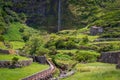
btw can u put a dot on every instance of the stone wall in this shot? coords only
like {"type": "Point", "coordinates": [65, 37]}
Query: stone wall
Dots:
{"type": "Point", "coordinates": [41, 59]}
{"type": "Point", "coordinates": [7, 64]}
{"type": "Point", "coordinates": [7, 51]}
{"type": "Point", "coordinates": [94, 30]}
{"type": "Point", "coordinates": [118, 65]}
{"type": "Point", "coordinates": [110, 57]}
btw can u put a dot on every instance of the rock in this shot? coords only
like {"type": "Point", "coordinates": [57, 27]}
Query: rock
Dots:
{"type": "Point", "coordinates": [13, 66]}
{"type": "Point", "coordinates": [9, 64]}
{"type": "Point", "coordinates": [109, 57]}
{"type": "Point", "coordinates": [118, 65]}
{"type": "Point", "coordinates": [94, 30]}
{"type": "Point", "coordinates": [40, 59]}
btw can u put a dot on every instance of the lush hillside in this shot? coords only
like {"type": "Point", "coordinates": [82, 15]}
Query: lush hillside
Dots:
{"type": "Point", "coordinates": [74, 13]}
{"type": "Point", "coordinates": [96, 12]}
{"type": "Point", "coordinates": [27, 26]}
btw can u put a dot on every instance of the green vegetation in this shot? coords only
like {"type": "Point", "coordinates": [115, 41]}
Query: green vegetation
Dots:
{"type": "Point", "coordinates": [13, 33]}
{"type": "Point", "coordinates": [23, 27]}
{"type": "Point", "coordinates": [35, 46]}
{"type": "Point", "coordinates": [10, 57]}
{"type": "Point", "coordinates": [12, 44]}
{"type": "Point", "coordinates": [107, 46]}
{"type": "Point", "coordinates": [63, 60]}
{"type": "Point", "coordinates": [96, 12]}
{"type": "Point", "coordinates": [2, 46]}
{"type": "Point", "coordinates": [86, 56]}
{"type": "Point", "coordinates": [95, 71]}
{"type": "Point", "coordinates": [81, 55]}
{"type": "Point", "coordinates": [17, 44]}
{"type": "Point", "coordinates": [19, 73]}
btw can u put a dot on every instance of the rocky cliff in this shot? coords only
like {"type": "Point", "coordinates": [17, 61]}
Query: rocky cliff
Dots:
{"type": "Point", "coordinates": [40, 13]}
{"type": "Point", "coordinates": [77, 13]}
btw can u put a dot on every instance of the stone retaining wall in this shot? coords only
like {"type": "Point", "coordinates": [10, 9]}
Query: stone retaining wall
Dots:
{"type": "Point", "coordinates": [110, 57]}
{"type": "Point", "coordinates": [11, 51]}
{"type": "Point", "coordinates": [118, 65]}
{"type": "Point", "coordinates": [7, 64]}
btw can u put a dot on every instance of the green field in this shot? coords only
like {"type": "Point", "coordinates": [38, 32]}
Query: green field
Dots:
{"type": "Point", "coordinates": [9, 57]}
{"type": "Point", "coordinates": [17, 44]}
{"type": "Point", "coordinates": [19, 73]}
{"type": "Point", "coordinates": [95, 71]}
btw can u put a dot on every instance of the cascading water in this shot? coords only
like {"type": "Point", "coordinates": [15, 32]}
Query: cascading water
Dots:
{"type": "Point", "coordinates": [59, 15]}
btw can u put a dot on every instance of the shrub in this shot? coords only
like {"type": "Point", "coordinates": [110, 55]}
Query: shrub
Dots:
{"type": "Point", "coordinates": [109, 47]}
{"type": "Point", "coordinates": [60, 44]}
{"type": "Point", "coordinates": [71, 45]}
{"type": "Point", "coordinates": [85, 40]}
{"type": "Point", "coordinates": [42, 51]}
{"type": "Point", "coordinates": [62, 57]}
{"type": "Point", "coordinates": [1, 38]}
{"type": "Point", "coordinates": [86, 56]}
{"type": "Point", "coordinates": [63, 61]}
{"type": "Point", "coordinates": [53, 50]}
{"type": "Point", "coordinates": [35, 46]}
{"type": "Point", "coordinates": [15, 60]}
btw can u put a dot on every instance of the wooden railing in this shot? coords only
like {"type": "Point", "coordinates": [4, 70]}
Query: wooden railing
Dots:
{"type": "Point", "coordinates": [43, 75]}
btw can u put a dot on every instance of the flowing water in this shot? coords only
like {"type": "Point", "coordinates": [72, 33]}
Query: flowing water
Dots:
{"type": "Point", "coordinates": [59, 15]}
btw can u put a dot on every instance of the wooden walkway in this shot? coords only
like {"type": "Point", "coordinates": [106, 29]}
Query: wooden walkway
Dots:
{"type": "Point", "coordinates": [43, 75]}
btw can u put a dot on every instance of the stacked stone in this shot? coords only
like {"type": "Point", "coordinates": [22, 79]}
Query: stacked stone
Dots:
{"type": "Point", "coordinates": [118, 65]}
{"type": "Point", "coordinates": [7, 64]}
{"type": "Point", "coordinates": [110, 57]}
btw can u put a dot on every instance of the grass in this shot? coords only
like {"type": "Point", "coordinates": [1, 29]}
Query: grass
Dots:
{"type": "Point", "coordinates": [9, 57]}
{"type": "Point", "coordinates": [104, 42]}
{"type": "Point", "coordinates": [19, 73]}
{"type": "Point", "coordinates": [95, 71]}
{"type": "Point", "coordinates": [2, 46]}
{"type": "Point", "coordinates": [17, 44]}
{"type": "Point", "coordinates": [79, 34]}
{"type": "Point", "coordinates": [91, 38]}
{"type": "Point", "coordinates": [13, 33]}
{"type": "Point", "coordinates": [66, 51]}
{"type": "Point", "coordinates": [14, 44]}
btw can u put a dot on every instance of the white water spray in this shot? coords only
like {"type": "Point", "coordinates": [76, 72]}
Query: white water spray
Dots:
{"type": "Point", "coordinates": [59, 15]}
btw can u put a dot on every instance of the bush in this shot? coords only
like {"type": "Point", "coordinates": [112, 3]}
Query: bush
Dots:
{"type": "Point", "coordinates": [85, 40]}
{"type": "Point", "coordinates": [63, 61]}
{"type": "Point", "coordinates": [1, 38]}
{"type": "Point", "coordinates": [86, 56]}
{"type": "Point", "coordinates": [109, 47]}
{"type": "Point", "coordinates": [35, 46]}
{"type": "Point", "coordinates": [60, 44]}
{"type": "Point", "coordinates": [42, 51]}
{"type": "Point", "coordinates": [15, 59]}
{"type": "Point", "coordinates": [62, 57]}
{"type": "Point", "coordinates": [53, 50]}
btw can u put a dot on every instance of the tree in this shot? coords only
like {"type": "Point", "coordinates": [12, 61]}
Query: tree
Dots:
{"type": "Point", "coordinates": [35, 46]}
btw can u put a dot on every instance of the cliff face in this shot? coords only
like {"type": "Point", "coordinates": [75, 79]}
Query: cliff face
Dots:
{"type": "Point", "coordinates": [78, 13]}
{"type": "Point", "coordinates": [39, 12]}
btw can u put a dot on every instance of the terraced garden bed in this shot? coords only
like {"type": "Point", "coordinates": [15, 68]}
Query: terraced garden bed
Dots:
{"type": "Point", "coordinates": [19, 73]}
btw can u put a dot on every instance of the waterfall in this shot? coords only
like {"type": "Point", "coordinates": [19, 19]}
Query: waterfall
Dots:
{"type": "Point", "coordinates": [59, 15]}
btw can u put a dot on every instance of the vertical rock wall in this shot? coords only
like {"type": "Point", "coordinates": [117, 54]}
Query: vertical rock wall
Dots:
{"type": "Point", "coordinates": [43, 13]}
{"type": "Point", "coordinates": [40, 13]}
{"type": "Point", "coordinates": [118, 65]}
{"type": "Point", "coordinates": [110, 57]}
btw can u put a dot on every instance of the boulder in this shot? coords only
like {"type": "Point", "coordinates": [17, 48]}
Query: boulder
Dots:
{"type": "Point", "coordinates": [41, 59]}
